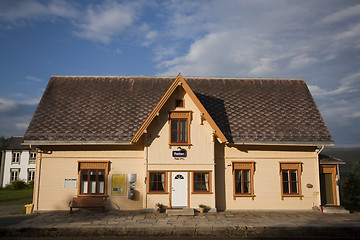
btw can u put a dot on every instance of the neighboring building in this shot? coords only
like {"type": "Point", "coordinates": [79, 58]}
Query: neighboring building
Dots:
{"type": "Point", "coordinates": [228, 143]}
{"type": "Point", "coordinates": [17, 163]}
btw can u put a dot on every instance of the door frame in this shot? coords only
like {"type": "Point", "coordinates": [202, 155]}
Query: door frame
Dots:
{"type": "Point", "coordinates": [188, 186]}
{"type": "Point", "coordinates": [332, 170]}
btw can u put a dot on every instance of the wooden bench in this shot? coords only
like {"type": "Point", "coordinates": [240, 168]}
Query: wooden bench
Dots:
{"type": "Point", "coordinates": [87, 202]}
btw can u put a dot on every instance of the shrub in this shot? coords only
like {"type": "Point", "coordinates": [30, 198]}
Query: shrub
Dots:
{"type": "Point", "coordinates": [16, 185]}
{"type": "Point", "coordinates": [31, 185]}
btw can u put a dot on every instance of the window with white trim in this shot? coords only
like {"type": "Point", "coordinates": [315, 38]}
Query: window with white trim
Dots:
{"type": "Point", "coordinates": [31, 174]}
{"type": "Point", "coordinates": [14, 174]}
{"type": "Point", "coordinates": [15, 158]}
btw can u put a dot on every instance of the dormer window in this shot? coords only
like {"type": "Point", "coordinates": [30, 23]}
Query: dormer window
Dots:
{"type": "Point", "coordinates": [179, 128]}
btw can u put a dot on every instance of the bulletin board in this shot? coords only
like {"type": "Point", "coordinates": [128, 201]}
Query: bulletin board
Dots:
{"type": "Point", "coordinates": [118, 184]}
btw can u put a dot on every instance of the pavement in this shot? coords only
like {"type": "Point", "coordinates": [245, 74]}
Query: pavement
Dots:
{"type": "Point", "coordinates": [227, 224]}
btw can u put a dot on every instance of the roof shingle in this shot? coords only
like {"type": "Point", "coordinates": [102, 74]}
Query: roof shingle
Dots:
{"type": "Point", "coordinates": [75, 108]}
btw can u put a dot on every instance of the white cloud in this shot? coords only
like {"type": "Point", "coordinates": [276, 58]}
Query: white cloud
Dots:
{"type": "Point", "coordinates": [101, 23]}
{"type": "Point", "coordinates": [302, 61]}
{"type": "Point", "coordinates": [343, 14]}
{"type": "Point", "coordinates": [6, 105]}
{"type": "Point", "coordinates": [352, 33]}
{"type": "Point", "coordinates": [34, 79]}
{"type": "Point", "coordinates": [18, 12]}
{"type": "Point", "coordinates": [22, 126]}
{"type": "Point", "coordinates": [349, 84]}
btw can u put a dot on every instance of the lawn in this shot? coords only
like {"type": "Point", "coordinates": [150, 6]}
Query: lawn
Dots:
{"type": "Point", "coordinates": [13, 201]}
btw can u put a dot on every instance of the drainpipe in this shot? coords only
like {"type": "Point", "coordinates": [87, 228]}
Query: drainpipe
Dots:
{"type": "Point", "coordinates": [318, 171]}
{"type": "Point", "coordinates": [146, 157]}
{"type": "Point", "coordinates": [38, 167]}
{"type": "Point", "coordinates": [2, 167]}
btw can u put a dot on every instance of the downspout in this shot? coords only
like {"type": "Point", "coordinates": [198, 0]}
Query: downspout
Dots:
{"type": "Point", "coordinates": [38, 166]}
{"type": "Point", "coordinates": [146, 157]}
{"type": "Point", "coordinates": [318, 171]}
{"type": "Point", "coordinates": [2, 167]}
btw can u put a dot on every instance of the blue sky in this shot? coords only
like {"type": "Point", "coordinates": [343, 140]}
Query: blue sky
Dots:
{"type": "Point", "coordinates": [317, 40]}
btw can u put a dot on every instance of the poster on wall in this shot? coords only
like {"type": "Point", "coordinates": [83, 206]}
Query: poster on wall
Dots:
{"type": "Point", "coordinates": [118, 184]}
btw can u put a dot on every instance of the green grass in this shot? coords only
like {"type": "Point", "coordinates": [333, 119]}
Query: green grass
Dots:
{"type": "Point", "coordinates": [15, 197]}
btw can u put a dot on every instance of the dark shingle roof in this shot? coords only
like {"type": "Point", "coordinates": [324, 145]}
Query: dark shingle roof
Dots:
{"type": "Point", "coordinates": [113, 108]}
{"type": "Point", "coordinates": [325, 159]}
{"type": "Point", "coordinates": [14, 143]}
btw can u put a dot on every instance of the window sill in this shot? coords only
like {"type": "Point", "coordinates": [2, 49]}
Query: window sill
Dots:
{"type": "Point", "coordinates": [291, 195]}
{"type": "Point", "coordinates": [92, 195]}
{"type": "Point", "coordinates": [180, 144]}
{"type": "Point", "coordinates": [157, 192]}
{"type": "Point", "coordinates": [245, 196]}
{"type": "Point", "coordinates": [201, 192]}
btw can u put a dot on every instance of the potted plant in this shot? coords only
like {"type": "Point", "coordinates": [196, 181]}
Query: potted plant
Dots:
{"type": "Point", "coordinates": [159, 207]}
{"type": "Point", "coordinates": [202, 208]}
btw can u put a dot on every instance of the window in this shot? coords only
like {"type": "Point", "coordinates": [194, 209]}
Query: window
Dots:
{"type": "Point", "coordinates": [157, 182]}
{"type": "Point", "coordinates": [93, 178]}
{"type": "Point", "coordinates": [14, 174]}
{"type": "Point", "coordinates": [179, 128]}
{"type": "Point", "coordinates": [92, 181]}
{"type": "Point", "coordinates": [32, 157]}
{"type": "Point", "coordinates": [243, 179]}
{"type": "Point", "coordinates": [16, 157]}
{"type": "Point", "coordinates": [31, 174]}
{"type": "Point", "coordinates": [201, 182]}
{"type": "Point", "coordinates": [290, 179]}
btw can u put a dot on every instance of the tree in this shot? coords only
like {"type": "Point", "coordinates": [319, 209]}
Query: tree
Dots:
{"type": "Point", "coordinates": [3, 142]}
{"type": "Point", "coordinates": [351, 186]}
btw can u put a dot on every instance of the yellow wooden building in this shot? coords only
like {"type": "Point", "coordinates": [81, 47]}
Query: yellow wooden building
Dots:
{"type": "Point", "coordinates": [228, 143]}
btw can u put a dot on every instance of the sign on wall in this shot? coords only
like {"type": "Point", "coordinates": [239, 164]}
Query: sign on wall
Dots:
{"type": "Point", "coordinates": [181, 153]}
{"type": "Point", "coordinates": [70, 183]}
{"type": "Point", "coordinates": [118, 184]}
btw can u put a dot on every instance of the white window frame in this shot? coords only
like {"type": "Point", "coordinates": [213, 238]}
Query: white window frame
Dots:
{"type": "Point", "coordinates": [32, 157]}
{"type": "Point", "coordinates": [31, 174]}
{"type": "Point", "coordinates": [15, 156]}
{"type": "Point", "coordinates": [14, 170]}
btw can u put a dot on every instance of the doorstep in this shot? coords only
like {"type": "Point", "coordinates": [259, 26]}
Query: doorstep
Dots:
{"type": "Point", "coordinates": [180, 212]}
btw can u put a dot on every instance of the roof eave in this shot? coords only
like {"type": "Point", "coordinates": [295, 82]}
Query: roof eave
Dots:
{"type": "Point", "coordinates": [73, 143]}
{"type": "Point", "coordinates": [285, 143]}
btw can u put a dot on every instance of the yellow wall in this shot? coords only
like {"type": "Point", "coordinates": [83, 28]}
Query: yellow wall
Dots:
{"type": "Point", "coordinates": [60, 165]}
{"type": "Point", "coordinates": [200, 155]}
{"type": "Point", "coordinates": [267, 181]}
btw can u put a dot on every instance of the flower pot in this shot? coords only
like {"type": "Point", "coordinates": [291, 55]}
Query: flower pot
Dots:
{"type": "Point", "coordinates": [202, 210]}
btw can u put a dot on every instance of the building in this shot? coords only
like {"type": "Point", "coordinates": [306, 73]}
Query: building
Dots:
{"type": "Point", "coordinates": [17, 163]}
{"type": "Point", "coordinates": [228, 143]}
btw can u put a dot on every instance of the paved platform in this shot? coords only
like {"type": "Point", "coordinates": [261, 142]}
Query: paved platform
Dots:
{"type": "Point", "coordinates": [242, 224]}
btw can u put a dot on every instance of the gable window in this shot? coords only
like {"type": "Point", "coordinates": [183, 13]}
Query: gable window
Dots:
{"type": "Point", "coordinates": [290, 179]}
{"type": "Point", "coordinates": [243, 180]}
{"type": "Point", "coordinates": [93, 178]}
{"type": "Point", "coordinates": [31, 174]}
{"type": "Point", "coordinates": [14, 174]}
{"type": "Point", "coordinates": [179, 128]}
{"type": "Point", "coordinates": [15, 157]}
{"type": "Point", "coordinates": [201, 182]}
{"type": "Point", "coordinates": [157, 182]}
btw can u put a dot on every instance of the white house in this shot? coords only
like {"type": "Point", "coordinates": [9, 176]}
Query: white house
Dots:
{"type": "Point", "coordinates": [17, 163]}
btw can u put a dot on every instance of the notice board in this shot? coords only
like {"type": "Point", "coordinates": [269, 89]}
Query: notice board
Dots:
{"type": "Point", "coordinates": [118, 184]}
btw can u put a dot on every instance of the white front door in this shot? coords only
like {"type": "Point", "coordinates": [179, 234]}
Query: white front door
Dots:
{"type": "Point", "coordinates": [179, 189]}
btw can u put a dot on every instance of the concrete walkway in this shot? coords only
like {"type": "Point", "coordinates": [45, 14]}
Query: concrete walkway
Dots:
{"type": "Point", "coordinates": [244, 224]}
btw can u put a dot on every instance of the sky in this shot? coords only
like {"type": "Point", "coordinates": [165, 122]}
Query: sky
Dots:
{"type": "Point", "coordinates": [315, 40]}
